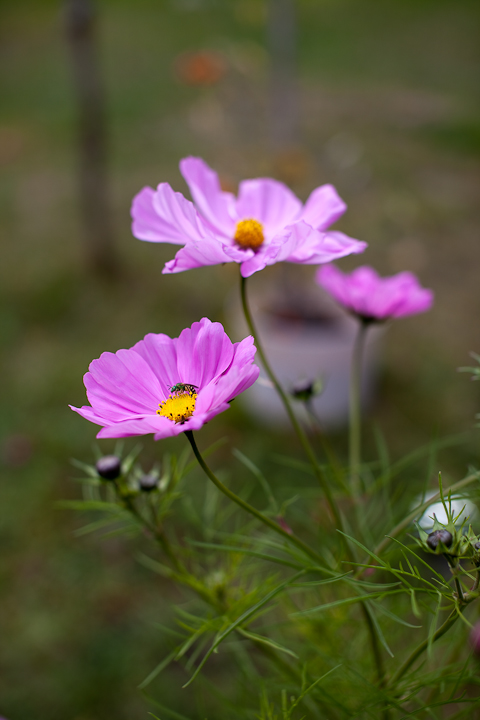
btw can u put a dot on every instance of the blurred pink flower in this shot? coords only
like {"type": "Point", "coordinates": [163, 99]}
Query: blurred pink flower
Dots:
{"type": "Point", "coordinates": [372, 297]}
{"type": "Point", "coordinates": [475, 639]}
{"type": "Point", "coordinates": [166, 385]}
{"type": "Point", "coordinates": [265, 224]}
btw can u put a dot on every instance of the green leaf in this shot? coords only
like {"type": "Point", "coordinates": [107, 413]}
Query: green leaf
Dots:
{"type": "Point", "coordinates": [245, 616]}
{"type": "Point", "coordinates": [392, 615]}
{"type": "Point", "coordinates": [170, 713]}
{"type": "Point", "coordinates": [345, 601]}
{"type": "Point", "coordinates": [310, 688]}
{"type": "Point", "coordinates": [260, 477]}
{"type": "Point", "coordinates": [161, 666]}
{"type": "Point", "coordinates": [433, 626]}
{"type": "Point", "coordinates": [244, 551]}
{"type": "Point", "coordinates": [93, 526]}
{"type": "Point", "coordinates": [89, 470]}
{"type": "Point", "coordinates": [90, 505]}
{"type": "Point", "coordinates": [266, 641]}
{"type": "Point", "coordinates": [154, 565]}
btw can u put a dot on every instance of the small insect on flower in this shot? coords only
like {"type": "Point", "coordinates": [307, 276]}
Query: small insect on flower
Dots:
{"type": "Point", "coordinates": [135, 391]}
{"type": "Point", "coordinates": [180, 388]}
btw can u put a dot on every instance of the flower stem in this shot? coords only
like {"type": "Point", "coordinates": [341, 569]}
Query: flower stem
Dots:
{"type": "Point", "coordinates": [452, 618]}
{"type": "Point", "coordinates": [355, 409]}
{"type": "Point", "coordinates": [296, 541]}
{"type": "Point", "coordinates": [293, 419]}
{"type": "Point", "coordinates": [313, 460]}
{"type": "Point", "coordinates": [249, 508]}
{"type": "Point", "coordinates": [157, 533]}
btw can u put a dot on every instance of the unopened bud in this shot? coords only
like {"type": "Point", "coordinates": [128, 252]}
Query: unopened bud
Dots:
{"type": "Point", "coordinates": [305, 390]}
{"type": "Point", "coordinates": [109, 467]}
{"type": "Point", "coordinates": [284, 525]}
{"type": "Point", "coordinates": [437, 537]}
{"type": "Point", "coordinates": [147, 483]}
{"type": "Point", "coordinates": [302, 390]}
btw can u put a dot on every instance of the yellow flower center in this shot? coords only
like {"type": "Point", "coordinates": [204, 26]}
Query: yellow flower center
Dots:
{"type": "Point", "coordinates": [178, 408]}
{"type": "Point", "coordinates": [249, 234]}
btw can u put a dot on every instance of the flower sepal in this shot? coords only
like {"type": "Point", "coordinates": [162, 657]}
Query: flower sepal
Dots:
{"type": "Point", "coordinates": [445, 539]}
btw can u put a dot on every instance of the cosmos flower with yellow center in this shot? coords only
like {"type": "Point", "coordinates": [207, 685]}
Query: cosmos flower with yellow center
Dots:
{"type": "Point", "coordinates": [166, 385]}
{"type": "Point", "coordinates": [265, 224]}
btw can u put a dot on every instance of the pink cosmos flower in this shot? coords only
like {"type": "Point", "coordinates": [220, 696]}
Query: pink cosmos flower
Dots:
{"type": "Point", "coordinates": [166, 385]}
{"type": "Point", "coordinates": [265, 224]}
{"type": "Point", "coordinates": [375, 298]}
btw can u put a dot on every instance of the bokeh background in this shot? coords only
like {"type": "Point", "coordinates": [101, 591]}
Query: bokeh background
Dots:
{"type": "Point", "coordinates": [379, 98]}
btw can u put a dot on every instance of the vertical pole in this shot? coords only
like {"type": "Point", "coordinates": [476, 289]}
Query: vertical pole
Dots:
{"type": "Point", "coordinates": [284, 100]}
{"type": "Point", "coordinates": [80, 22]}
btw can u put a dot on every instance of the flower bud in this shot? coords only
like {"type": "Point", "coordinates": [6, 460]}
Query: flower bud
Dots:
{"type": "Point", "coordinates": [439, 536]}
{"type": "Point", "coordinates": [284, 525]}
{"type": "Point", "coordinates": [109, 467]}
{"type": "Point", "coordinates": [305, 390]}
{"type": "Point", "coordinates": [147, 483]}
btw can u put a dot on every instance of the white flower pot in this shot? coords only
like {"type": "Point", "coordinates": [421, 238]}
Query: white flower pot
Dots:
{"type": "Point", "coordinates": [304, 338]}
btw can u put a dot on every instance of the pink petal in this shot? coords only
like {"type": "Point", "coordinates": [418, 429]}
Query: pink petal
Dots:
{"type": "Point", "coordinates": [141, 426]}
{"type": "Point", "coordinates": [229, 386]}
{"type": "Point", "coordinates": [159, 351]}
{"type": "Point", "coordinates": [244, 351]}
{"type": "Point", "coordinates": [369, 295]}
{"type": "Point", "coordinates": [193, 423]}
{"type": "Point", "coordinates": [122, 380]}
{"type": "Point", "coordinates": [216, 206]}
{"type": "Point", "coordinates": [270, 202]}
{"type": "Point", "coordinates": [166, 216]}
{"type": "Point", "coordinates": [258, 261]}
{"type": "Point", "coordinates": [147, 225]}
{"type": "Point", "coordinates": [309, 246]}
{"type": "Point", "coordinates": [197, 254]}
{"type": "Point", "coordinates": [323, 207]}
{"type": "Point", "coordinates": [204, 351]}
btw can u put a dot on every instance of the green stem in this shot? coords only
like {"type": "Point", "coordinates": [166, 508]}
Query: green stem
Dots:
{"type": "Point", "coordinates": [355, 409]}
{"type": "Point", "coordinates": [376, 652]}
{"type": "Point", "coordinates": [476, 582]}
{"type": "Point", "coordinates": [291, 538]}
{"type": "Point", "coordinates": [249, 508]}
{"type": "Point", "coordinates": [158, 534]}
{"type": "Point", "coordinates": [293, 419]}
{"type": "Point", "coordinates": [311, 456]}
{"type": "Point", "coordinates": [459, 590]}
{"type": "Point", "coordinates": [455, 567]}
{"type": "Point", "coordinates": [452, 618]}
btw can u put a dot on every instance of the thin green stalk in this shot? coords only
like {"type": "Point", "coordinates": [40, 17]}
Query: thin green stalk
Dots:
{"type": "Point", "coordinates": [375, 645]}
{"type": "Point", "coordinates": [291, 538]}
{"type": "Point", "coordinates": [455, 568]}
{"type": "Point", "coordinates": [451, 620]}
{"type": "Point", "coordinates": [311, 456]}
{"type": "Point", "coordinates": [293, 419]}
{"type": "Point", "coordinates": [355, 408]}
{"type": "Point", "coordinates": [158, 534]}
{"type": "Point", "coordinates": [326, 446]}
{"type": "Point", "coordinates": [249, 508]}
{"type": "Point", "coordinates": [476, 582]}
{"type": "Point", "coordinates": [376, 652]}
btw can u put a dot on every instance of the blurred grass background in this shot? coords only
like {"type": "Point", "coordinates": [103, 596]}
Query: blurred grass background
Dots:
{"type": "Point", "coordinates": [389, 113]}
